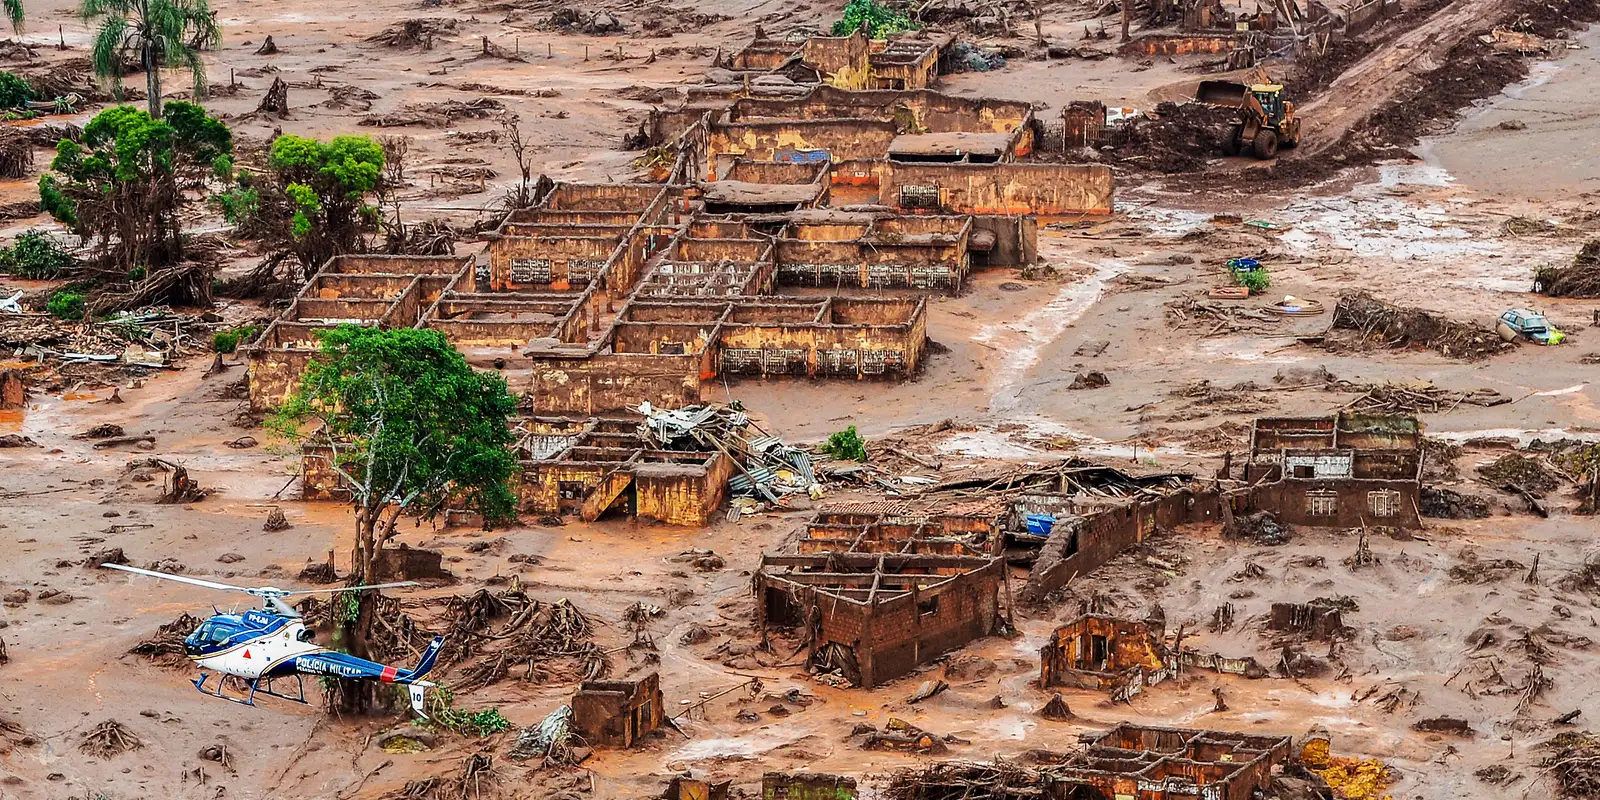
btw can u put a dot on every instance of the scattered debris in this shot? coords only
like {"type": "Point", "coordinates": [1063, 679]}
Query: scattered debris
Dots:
{"type": "Point", "coordinates": [165, 648]}
{"type": "Point", "coordinates": [1581, 278]}
{"type": "Point", "coordinates": [1089, 380]}
{"type": "Point", "coordinates": [1423, 398]}
{"type": "Point", "coordinates": [1449, 725]}
{"type": "Point", "coordinates": [414, 33]}
{"type": "Point", "coordinates": [1439, 502]}
{"type": "Point", "coordinates": [1405, 327]}
{"type": "Point", "coordinates": [108, 739]}
{"type": "Point", "coordinates": [928, 689]}
{"type": "Point", "coordinates": [276, 101]}
{"type": "Point", "coordinates": [1517, 471]}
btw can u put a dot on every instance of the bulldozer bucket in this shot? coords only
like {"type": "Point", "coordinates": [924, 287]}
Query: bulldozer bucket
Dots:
{"type": "Point", "coordinates": [1222, 93]}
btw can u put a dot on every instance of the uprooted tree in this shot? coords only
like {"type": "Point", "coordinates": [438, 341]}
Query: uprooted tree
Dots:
{"type": "Point", "coordinates": [311, 201]}
{"type": "Point", "coordinates": [410, 428]}
{"type": "Point", "coordinates": [122, 188]}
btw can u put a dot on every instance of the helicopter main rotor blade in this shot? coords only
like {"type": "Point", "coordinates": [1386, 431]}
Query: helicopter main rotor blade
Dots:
{"type": "Point", "coordinates": [179, 578]}
{"type": "Point", "coordinates": [352, 588]}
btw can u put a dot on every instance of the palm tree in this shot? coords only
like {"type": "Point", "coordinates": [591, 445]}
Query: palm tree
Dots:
{"type": "Point", "coordinates": [13, 10]}
{"type": "Point", "coordinates": [166, 34]}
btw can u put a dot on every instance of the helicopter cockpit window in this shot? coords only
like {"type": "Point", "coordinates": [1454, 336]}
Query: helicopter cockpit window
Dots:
{"type": "Point", "coordinates": [207, 635]}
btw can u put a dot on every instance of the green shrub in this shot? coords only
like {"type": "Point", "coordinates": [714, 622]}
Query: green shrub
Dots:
{"type": "Point", "coordinates": [847, 445]}
{"type": "Point", "coordinates": [240, 205]}
{"type": "Point", "coordinates": [66, 305]}
{"type": "Point", "coordinates": [1256, 280]}
{"type": "Point", "coordinates": [441, 707]}
{"type": "Point", "coordinates": [14, 91]}
{"type": "Point", "coordinates": [879, 20]}
{"type": "Point", "coordinates": [229, 340]}
{"type": "Point", "coordinates": [36, 255]}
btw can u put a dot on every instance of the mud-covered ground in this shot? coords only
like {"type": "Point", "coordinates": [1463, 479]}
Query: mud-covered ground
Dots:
{"type": "Point", "coordinates": [1433, 235]}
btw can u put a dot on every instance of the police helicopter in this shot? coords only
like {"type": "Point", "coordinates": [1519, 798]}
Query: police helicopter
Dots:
{"type": "Point", "coordinates": [259, 646]}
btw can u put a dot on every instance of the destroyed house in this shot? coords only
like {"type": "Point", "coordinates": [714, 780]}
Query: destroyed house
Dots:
{"type": "Point", "coordinates": [1153, 763]}
{"type": "Point", "coordinates": [838, 126]}
{"type": "Point", "coordinates": [618, 713]}
{"type": "Point", "coordinates": [678, 298]}
{"type": "Point", "coordinates": [876, 617]}
{"type": "Point", "coordinates": [378, 291]}
{"type": "Point", "coordinates": [905, 62]}
{"type": "Point", "coordinates": [1096, 652]}
{"type": "Point", "coordinates": [913, 151]}
{"type": "Point", "coordinates": [892, 527]}
{"type": "Point", "coordinates": [594, 466]}
{"type": "Point", "coordinates": [1345, 470]}
{"type": "Point", "coordinates": [1081, 515]}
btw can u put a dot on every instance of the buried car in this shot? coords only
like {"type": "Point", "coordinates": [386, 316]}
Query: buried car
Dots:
{"type": "Point", "coordinates": [1520, 323]}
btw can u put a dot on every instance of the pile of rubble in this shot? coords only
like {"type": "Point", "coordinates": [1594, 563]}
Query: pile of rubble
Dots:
{"type": "Point", "coordinates": [766, 468]}
{"type": "Point", "coordinates": [153, 338]}
{"type": "Point", "coordinates": [1406, 327]}
{"type": "Point", "coordinates": [1396, 398]}
{"type": "Point", "coordinates": [1581, 278]}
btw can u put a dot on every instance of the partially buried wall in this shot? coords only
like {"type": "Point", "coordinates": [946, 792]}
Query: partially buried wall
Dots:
{"type": "Point", "coordinates": [1008, 188]}
{"type": "Point", "coordinates": [1079, 545]}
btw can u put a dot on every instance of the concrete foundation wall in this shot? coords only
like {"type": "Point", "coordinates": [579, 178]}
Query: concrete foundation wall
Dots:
{"type": "Point", "coordinates": [1182, 45]}
{"type": "Point", "coordinates": [613, 383]}
{"type": "Point", "coordinates": [842, 139]}
{"type": "Point", "coordinates": [1006, 189]}
{"type": "Point", "coordinates": [1079, 545]}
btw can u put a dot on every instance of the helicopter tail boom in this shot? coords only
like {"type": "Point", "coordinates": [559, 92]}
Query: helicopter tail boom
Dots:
{"type": "Point", "coordinates": [424, 664]}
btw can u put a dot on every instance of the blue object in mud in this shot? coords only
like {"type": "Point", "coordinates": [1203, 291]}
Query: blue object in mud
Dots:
{"type": "Point", "coordinates": [1243, 264]}
{"type": "Point", "coordinates": [1041, 524]}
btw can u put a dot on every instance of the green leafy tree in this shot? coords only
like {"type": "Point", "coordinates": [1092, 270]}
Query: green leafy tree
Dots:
{"type": "Point", "coordinates": [315, 200]}
{"type": "Point", "coordinates": [36, 255]}
{"type": "Point", "coordinates": [410, 428]}
{"type": "Point", "coordinates": [877, 19]}
{"type": "Point", "coordinates": [121, 188]}
{"type": "Point", "coordinates": [159, 34]}
{"type": "Point", "coordinates": [14, 91]}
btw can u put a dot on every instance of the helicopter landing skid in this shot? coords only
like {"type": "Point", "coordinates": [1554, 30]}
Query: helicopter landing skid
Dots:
{"type": "Point", "coordinates": [257, 686]}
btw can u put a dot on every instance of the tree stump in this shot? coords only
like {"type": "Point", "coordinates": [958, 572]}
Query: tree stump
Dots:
{"type": "Point", "coordinates": [276, 521]}
{"type": "Point", "coordinates": [13, 394]}
{"type": "Point", "coordinates": [277, 99]}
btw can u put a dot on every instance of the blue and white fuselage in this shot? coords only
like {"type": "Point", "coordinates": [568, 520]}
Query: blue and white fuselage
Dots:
{"type": "Point", "coordinates": [258, 646]}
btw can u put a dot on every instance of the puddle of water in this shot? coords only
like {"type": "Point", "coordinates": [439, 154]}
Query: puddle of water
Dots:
{"type": "Point", "coordinates": [1522, 435]}
{"type": "Point", "coordinates": [723, 748]}
{"type": "Point", "coordinates": [1421, 174]}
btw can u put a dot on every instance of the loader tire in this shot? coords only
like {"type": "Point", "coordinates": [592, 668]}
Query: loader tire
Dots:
{"type": "Point", "coordinates": [1266, 144]}
{"type": "Point", "coordinates": [1232, 143]}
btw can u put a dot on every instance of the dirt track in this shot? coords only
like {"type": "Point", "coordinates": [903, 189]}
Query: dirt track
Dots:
{"type": "Point", "coordinates": [1387, 71]}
